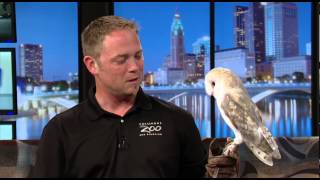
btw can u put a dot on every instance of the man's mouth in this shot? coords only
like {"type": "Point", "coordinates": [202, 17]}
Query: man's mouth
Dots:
{"type": "Point", "coordinates": [133, 80]}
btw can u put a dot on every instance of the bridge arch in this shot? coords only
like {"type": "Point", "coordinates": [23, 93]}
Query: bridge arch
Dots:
{"type": "Point", "coordinates": [258, 97]}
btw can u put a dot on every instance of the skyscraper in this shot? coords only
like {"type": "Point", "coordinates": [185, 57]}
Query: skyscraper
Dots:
{"type": "Point", "coordinates": [308, 49]}
{"type": "Point", "coordinates": [149, 79]}
{"type": "Point", "coordinates": [202, 50]}
{"type": "Point", "coordinates": [31, 61]}
{"type": "Point", "coordinates": [250, 34]}
{"type": "Point", "coordinates": [281, 26]}
{"type": "Point", "coordinates": [200, 63]}
{"type": "Point", "coordinates": [190, 65]}
{"type": "Point", "coordinates": [239, 24]}
{"type": "Point", "coordinates": [177, 43]}
{"type": "Point", "coordinates": [255, 37]}
{"type": "Point", "coordinates": [255, 33]}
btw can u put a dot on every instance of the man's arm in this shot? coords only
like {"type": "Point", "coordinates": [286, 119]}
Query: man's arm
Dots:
{"type": "Point", "coordinates": [219, 165]}
{"type": "Point", "coordinates": [50, 159]}
{"type": "Point", "coordinates": [193, 153]}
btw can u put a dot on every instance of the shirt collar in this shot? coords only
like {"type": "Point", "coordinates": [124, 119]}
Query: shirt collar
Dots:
{"type": "Point", "coordinates": [94, 110]}
{"type": "Point", "coordinates": [143, 101]}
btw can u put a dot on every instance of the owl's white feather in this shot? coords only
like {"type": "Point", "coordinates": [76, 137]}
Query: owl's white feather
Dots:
{"type": "Point", "coordinates": [241, 114]}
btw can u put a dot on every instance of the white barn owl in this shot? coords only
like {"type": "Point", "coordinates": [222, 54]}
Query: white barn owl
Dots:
{"type": "Point", "coordinates": [241, 115]}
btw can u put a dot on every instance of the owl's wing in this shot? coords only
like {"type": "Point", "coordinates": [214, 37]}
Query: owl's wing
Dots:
{"type": "Point", "coordinates": [266, 133]}
{"type": "Point", "coordinates": [246, 118]}
{"type": "Point", "coordinates": [241, 114]}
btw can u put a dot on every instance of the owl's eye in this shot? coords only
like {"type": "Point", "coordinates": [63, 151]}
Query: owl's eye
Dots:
{"type": "Point", "coordinates": [213, 83]}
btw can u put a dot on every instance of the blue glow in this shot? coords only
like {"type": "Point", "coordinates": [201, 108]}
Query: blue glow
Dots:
{"type": "Point", "coordinates": [270, 48]}
{"type": "Point", "coordinates": [225, 129]}
{"type": "Point", "coordinates": [281, 127]}
{"type": "Point", "coordinates": [201, 125]}
{"type": "Point", "coordinates": [218, 129]}
{"type": "Point", "coordinates": [203, 131]}
{"type": "Point", "coordinates": [288, 127]}
{"type": "Point", "coordinates": [10, 113]}
{"type": "Point", "coordinates": [303, 125]}
{"type": "Point", "coordinates": [295, 128]}
{"type": "Point", "coordinates": [274, 130]}
{"type": "Point", "coordinates": [231, 134]}
{"type": "Point", "coordinates": [8, 41]}
{"type": "Point", "coordinates": [5, 132]}
{"type": "Point", "coordinates": [308, 131]}
{"type": "Point", "coordinates": [176, 25]}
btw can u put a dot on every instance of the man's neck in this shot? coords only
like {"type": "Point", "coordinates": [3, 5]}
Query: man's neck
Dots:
{"type": "Point", "coordinates": [119, 105]}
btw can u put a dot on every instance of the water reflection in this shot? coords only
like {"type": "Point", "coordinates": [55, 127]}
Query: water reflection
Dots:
{"type": "Point", "coordinates": [284, 115]}
{"type": "Point", "coordinates": [195, 102]}
{"type": "Point", "coordinates": [33, 117]}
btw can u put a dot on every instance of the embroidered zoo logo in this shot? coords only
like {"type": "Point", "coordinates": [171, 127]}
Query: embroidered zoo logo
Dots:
{"type": "Point", "coordinates": [150, 129]}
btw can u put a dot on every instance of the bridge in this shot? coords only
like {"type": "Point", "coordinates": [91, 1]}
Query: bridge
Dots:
{"type": "Point", "coordinates": [172, 93]}
{"type": "Point", "coordinates": [197, 102]}
{"type": "Point", "coordinates": [56, 97]}
{"type": "Point", "coordinates": [256, 91]}
{"type": "Point", "coordinates": [63, 102]}
{"type": "Point", "coordinates": [270, 92]}
{"type": "Point", "coordinates": [192, 98]}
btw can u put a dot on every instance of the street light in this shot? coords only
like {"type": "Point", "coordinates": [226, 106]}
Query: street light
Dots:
{"type": "Point", "coordinates": [29, 88]}
{"type": "Point", "coordinates": [43, 88]}
{"type": "Point", "coordinates": [294, 77]}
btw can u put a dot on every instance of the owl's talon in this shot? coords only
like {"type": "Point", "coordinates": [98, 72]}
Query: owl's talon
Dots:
{"type": "Point", "coordinates": [231, 151]}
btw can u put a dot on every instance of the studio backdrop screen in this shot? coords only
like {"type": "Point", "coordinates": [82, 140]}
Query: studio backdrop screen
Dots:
{"type": "Point", "coordinates": [175, 40]}
{"type": "Point", "coordinates": [269, 46]}
{"type": "Point", "coordinates": [7, 82]}
{"type": "Point", "coordinates": [47, 64]}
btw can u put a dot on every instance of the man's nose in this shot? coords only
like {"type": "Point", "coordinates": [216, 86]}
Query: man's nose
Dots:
{"type": "Point", "coordinates": [133, 64]}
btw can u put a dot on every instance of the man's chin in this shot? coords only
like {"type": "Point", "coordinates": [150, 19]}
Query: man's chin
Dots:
{"type": "Point", "coordinates": [132, 91]}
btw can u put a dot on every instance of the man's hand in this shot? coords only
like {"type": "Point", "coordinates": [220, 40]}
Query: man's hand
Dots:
{"type": "Point", "coordinates": [220, 165]}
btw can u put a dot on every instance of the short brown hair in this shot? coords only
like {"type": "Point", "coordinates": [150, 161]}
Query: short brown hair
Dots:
{"type": "Point", "coordinates": [93, 35]}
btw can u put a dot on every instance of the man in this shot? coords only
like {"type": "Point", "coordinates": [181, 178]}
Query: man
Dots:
{"type": "Point", "coordinates": [119, 131]}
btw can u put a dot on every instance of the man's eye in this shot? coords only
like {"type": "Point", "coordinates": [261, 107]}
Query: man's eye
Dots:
{"type": "Point", "coordinates": [139, 56]}
{"type": "Point", "coordinates": [120, 61]}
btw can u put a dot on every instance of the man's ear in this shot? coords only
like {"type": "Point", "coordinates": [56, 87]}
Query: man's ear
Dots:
{"type": "Point", "coordinates": [91, 64]}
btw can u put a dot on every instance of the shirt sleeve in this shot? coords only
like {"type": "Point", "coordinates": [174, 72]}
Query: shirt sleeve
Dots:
{"type": "Point", "coordinates": [193, 152]}
{"type": "Point", "coordinates": [50, 156]}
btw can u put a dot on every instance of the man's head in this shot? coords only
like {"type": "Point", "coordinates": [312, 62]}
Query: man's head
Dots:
{"type": "Point", "coordinates": [94, 34]}
{"type": "Point", "coordinates": [113, 55]}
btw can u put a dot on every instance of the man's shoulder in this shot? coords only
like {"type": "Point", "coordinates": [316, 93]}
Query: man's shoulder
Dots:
{"type": "Point", "coordinates": [69, 120]}
{"type": "Point", "coordinates": [71, 114]}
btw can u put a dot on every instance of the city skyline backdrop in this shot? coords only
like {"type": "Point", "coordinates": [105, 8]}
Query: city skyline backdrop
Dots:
{"type": "Point", "coordinates": [155, 20]}
{"type": "Point", "coordinates": [55, 27]}
{"type": "Point", "coordinates": [155, 52]}
{"type": "Point", "coordinates": [224, 27]}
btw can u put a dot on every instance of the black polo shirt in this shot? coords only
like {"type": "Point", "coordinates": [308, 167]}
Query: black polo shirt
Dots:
{"type": "Point", "coordinates": [154, 139]}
